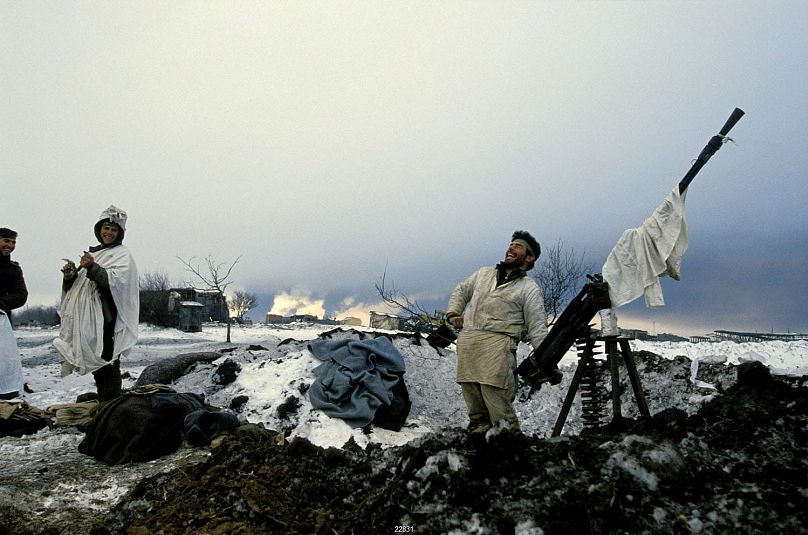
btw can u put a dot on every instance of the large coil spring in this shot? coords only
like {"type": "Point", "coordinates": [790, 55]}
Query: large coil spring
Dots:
{"type": "Point", "coordinates": [593, 391]}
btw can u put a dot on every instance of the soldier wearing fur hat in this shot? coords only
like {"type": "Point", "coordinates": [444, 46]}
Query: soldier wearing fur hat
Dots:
{"type": "Point", "coordinates": [100, 306]}
{"type": "Point", "coordinates": [496, 307]}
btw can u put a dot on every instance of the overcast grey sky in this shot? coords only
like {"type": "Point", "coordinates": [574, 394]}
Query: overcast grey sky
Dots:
{"type": "Point", "coordinates": [328, 141]}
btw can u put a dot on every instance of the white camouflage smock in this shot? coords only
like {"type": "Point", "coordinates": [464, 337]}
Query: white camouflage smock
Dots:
{"type": "Point", "coordinates": [494, 320]}
{"type": "Point", "coordinates": [81, 339]}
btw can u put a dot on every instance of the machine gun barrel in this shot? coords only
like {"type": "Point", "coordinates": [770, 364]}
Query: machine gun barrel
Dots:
{"type": "Point", "coordinates": [711, 148]}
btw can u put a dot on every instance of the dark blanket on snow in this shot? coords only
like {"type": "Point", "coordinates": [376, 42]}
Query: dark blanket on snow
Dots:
{"type": "Point", "coordinates": [358, 378]}
{"type": "Point", "coordinates": [138, 427]}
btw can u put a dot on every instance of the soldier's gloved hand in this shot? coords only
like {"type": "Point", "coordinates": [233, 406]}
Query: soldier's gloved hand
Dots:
{"type": "Point", "coordinates": [457, 322]}
{"type": "Point", "coordinates": [69, 269]}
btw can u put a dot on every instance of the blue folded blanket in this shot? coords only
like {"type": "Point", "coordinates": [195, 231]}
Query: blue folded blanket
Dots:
{"type": "Point", "coordinates": [355, 378]}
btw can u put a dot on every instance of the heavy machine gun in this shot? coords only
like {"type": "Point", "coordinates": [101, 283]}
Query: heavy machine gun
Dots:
{"type": "Point", "coordinates": [573, 325]}
{"type": "Point", "coordinates": [541, 365]}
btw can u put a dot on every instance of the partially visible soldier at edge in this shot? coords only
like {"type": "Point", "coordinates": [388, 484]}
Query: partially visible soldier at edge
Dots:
{"type": "Point", "coordinates": [13, 294]}
{"type": "Point", "coordinates": [496, 307]}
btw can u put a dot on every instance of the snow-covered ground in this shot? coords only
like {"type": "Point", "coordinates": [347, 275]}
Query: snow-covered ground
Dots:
{"type": "Point", "coordinates": [272, 372]}
{"type": "Point", "coordinates": [45, 476]}
{"type": "Point", "coordinates": [782, 358]}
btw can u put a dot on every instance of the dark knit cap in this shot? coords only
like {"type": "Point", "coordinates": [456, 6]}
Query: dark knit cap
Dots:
{"type": "Point", "coordinates": [532, 244]}
{"type": "Point", "coordinates": [8, 233]}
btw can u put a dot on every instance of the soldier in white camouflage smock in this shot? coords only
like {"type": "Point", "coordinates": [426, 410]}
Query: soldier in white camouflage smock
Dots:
{"type": "Point", "coordinates": [496, 307]}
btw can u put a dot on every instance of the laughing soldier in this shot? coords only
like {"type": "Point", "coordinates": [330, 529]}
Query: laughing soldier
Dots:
{"type": "Point", "coordinates": [100, 307]}
{"type": "Point", "coordinates": [495, 308]}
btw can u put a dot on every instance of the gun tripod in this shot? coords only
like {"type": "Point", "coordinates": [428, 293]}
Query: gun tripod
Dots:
{"type": "Point", "coordinates": [587, 377]}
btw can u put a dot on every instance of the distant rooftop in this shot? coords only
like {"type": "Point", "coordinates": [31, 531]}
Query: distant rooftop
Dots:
{"type": "Point", "coordinates": [742, 336]}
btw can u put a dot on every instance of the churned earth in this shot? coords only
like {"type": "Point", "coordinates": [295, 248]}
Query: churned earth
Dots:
{"type": "Point", "coordinates": [734, 461]}
{"type": "Point", "coordinates": [739, 465]}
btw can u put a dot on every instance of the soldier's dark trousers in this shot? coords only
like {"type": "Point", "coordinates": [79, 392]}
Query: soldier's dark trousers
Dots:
{"type": "Point", "coordinates": [108, 381]}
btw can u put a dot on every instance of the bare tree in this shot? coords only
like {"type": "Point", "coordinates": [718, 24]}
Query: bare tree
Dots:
{"type": "Point", "coordinates": [241, 303]}
{"type": "Point", "coordinates": [419, 319]}
{"type": "Point", "coordinates": [395, 299]}
{"type": "Point", "coordinates": [560, 276]}
{"type": "Point", "coordinates": [154, 281]}
{"type": "Point", "coordinates": [213, 277]}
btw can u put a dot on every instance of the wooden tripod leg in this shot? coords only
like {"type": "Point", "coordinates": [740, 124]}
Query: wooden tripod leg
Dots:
{"type": "Point", "coordinates": [565, 408]}
{"type": "Point", "coordinates": [628, 358]}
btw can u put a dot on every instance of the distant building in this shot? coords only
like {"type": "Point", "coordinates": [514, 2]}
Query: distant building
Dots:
{"type": "Point", "coordinates": [741, 336]}
{"type": "Point", "coordinates": [638, 334]}
{"type": "Point", "coordinates": [190, 316]}
{"type": "Point", "coordinates": [297, 318]}
{"type": "Point", "coordinates": [277, 319]}
{"type": "Point", "coordinates": [214, 303]}
{"type": "Point", "coordinates": [667, 337]}
{"type": "Point", "coordinates": [354, 322]}
{"type": "Point", "coordinates": [182, 308]}
{"type": "Point", "coordinates": [305, 318]}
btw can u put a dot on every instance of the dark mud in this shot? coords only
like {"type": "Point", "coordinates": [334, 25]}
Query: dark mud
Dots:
{"type": "Point", "coordinates": [739, 465]}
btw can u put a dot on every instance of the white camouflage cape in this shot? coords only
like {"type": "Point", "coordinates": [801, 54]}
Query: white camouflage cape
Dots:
{"type": "Point", "coordinates": [81, 338]}
{"type": "Point", "coordinates": [10, 363]}
{"type": "Point", "coordinates": [645, 254]}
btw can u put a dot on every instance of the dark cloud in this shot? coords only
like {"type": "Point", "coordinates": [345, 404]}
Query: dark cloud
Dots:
{"type": "Point", "coordinates": [379, 139]}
